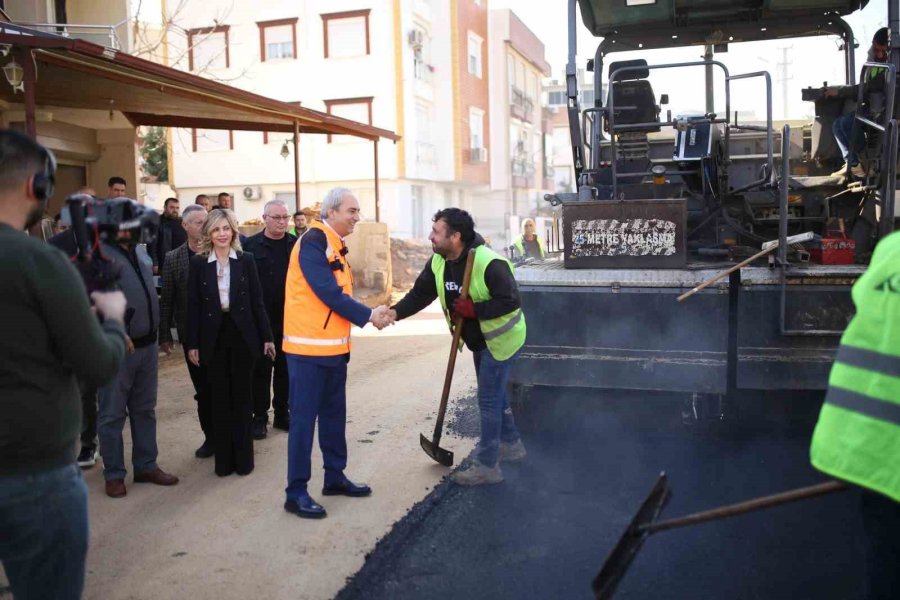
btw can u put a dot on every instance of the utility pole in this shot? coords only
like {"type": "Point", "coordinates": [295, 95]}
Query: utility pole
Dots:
{"type": "Point", "coordinates": [784, 78]}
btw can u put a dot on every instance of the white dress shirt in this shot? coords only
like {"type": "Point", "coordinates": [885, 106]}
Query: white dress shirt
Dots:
{"type": "Point", "coordinates": [223, 277]}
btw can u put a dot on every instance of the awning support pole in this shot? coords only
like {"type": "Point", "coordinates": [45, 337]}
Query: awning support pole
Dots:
{"type": "Point", "coordinates": [296, 165]}
{"type": "Point", "coordinates": [30, 92]}
{"type": "Point", "coordinates": [377, 195]}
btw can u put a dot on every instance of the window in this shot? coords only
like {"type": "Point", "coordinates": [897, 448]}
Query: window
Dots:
{"type": "Point", "coordinates": [421, 46]}
{"type": "Point", "coordinates": [476, 128]}
{"type": "Point", "coordinates": [355, 109]}
{"type": "Point", "coordinates": [208, 140]}
{"type": "Point", "coordinates": [346, 33]}
{"type": "Point", "coordinates": [587, 98]}
{"type": "Point", "coordinates": [208, 48]}
{"type": "Point", "coordinates": [557, 99]}
{"type": "Point", "coordinates": [475, 55]}
{"type": "Point", "coordinates": [277, 39]}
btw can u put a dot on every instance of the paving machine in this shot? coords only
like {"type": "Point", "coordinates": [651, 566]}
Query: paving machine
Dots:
{"type": "Point", "coordinates": [667, 202]}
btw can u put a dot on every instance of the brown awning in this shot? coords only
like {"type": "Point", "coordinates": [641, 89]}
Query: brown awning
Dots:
{"type": "Point", "coordinates": [78, 74]}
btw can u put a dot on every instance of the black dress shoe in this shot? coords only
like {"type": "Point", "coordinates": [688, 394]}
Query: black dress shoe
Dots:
{"type": "Point", "coordinates": [305, 507]}
{"type": "Point", "coordinates": [346, 488]}
{"type": "Point", "coordinates": [258, 430]}
{"type": "Point", "coordinates": [204, 451]}
{"type": "Point", "coordinates": [282, 423]}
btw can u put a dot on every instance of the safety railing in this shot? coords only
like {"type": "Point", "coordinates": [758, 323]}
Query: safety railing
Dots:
{"type": "Point", "coordinates": [105, 35]}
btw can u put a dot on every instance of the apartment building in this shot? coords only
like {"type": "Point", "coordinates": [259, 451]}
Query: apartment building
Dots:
{"type": "Point", "coordinates": [416, 67]}
{"type": "Point", "coordinates": [520, 172]}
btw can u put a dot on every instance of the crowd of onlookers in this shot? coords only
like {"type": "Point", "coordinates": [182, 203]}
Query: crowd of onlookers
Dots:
{"type": "Point", "coordinates": [171, 285]}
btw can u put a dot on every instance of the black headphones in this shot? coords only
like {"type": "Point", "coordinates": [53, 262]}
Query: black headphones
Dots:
{"type": "Point", "coordinates": [42, 183]}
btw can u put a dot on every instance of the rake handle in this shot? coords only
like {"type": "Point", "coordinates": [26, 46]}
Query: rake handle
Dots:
{"type": "Point", "coordinates": [454, 350]}
{"type": "Point", "coordinates": [745, 507]}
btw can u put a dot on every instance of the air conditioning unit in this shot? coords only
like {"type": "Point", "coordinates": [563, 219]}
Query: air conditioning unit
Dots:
{"type": "Point", "coordinates": [416, 38]}
{"type": "Point", "coordinates": [253, 192]}
{"type": "Point", "coordinates": [478, 155]}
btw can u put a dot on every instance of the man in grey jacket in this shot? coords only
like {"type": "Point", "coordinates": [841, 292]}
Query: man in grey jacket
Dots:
{"type": "Point", "coordinates": [133, 391]}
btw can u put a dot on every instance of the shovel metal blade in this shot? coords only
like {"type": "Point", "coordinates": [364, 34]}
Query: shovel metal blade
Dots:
{"type": "Point", "coordinates": [616, 564]}
{"type": "Point", "coordinates": [444, 457]}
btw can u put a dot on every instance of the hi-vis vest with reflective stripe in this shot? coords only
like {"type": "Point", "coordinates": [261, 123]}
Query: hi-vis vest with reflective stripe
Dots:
{"type": "Point", "coordinates": [310, 327]}
{"type": "Point", "coordinates": [504, 335]}
{"type": "Point", "coordinates": [857, 438]}
{"type": "Point", "coordinates": [520, 245]}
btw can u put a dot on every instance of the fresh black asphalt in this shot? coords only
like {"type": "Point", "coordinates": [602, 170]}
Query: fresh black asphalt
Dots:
{"type": "Point", "coordinates": [593, 457]}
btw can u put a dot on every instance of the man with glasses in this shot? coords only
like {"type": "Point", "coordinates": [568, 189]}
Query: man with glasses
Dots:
{"type": "Point", "coordinates": [271, 248]}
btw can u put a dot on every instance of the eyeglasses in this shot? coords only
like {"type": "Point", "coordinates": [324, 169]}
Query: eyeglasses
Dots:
{"type": "Point", "coordinates": [284, 218]}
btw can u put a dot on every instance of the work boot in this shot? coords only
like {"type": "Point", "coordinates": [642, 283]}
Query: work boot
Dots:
{"type": "Point", "coordinates": [858, 171]}
{"type": "Point", "coordinates": [478, 474]}
{"type": "Point", "coordinates": [512, 452]}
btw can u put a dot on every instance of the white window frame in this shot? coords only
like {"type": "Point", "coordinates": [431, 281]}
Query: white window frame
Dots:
{"type": "Point", "coordinates": [476, 115]}
{"type": "Point", "coordinates": [474, 59]}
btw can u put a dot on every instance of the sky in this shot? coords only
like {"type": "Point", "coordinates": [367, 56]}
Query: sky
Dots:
{"type": "Point", "coordinates": [548, 20]}
{"type": "Point", "coordinates": [810, 61]}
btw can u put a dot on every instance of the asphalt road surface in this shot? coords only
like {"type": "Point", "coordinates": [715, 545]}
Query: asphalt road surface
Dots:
{"type": "Point", "coordinates": [593, 457]}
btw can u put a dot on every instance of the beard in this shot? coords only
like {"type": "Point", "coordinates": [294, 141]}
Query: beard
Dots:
{"type": "Point", "coordinates": [34, 216]}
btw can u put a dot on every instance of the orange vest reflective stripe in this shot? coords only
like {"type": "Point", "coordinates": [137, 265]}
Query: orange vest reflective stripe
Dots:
{"type": "Point", "coordinates": [310, 327]}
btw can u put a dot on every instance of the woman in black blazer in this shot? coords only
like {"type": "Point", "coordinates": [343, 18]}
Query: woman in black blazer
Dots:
{"type": "Point", "coordinates": [227, 331]}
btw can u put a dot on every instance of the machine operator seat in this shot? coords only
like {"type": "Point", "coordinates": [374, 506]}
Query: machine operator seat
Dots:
{"type": "Point", "coordinates": [631, 91]}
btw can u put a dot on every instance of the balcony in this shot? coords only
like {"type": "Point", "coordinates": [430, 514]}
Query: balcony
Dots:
{"type": "Point", "coordinates": [522, 171]}
{"type": "Point", "coordinates": [520, 106]}
{"type": "Point", "coordinates": [104, 35]}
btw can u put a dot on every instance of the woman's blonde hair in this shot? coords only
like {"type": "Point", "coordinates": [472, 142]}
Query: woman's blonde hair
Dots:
{"type": "Point", "coordinates": [212, 219]}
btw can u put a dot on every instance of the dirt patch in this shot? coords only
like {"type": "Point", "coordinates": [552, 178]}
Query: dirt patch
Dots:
{"type": "Point", "coordinates": [408, 258]}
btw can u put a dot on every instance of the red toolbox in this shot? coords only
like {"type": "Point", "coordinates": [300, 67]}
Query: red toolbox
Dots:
{"type": "Point", "coordinates": [833, 249]}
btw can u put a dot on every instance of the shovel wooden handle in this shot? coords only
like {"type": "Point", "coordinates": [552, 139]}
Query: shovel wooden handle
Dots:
{"type": "Point", "coordinates": [454, 350]}
{"type": "Point", "coordinates": [745, 507]}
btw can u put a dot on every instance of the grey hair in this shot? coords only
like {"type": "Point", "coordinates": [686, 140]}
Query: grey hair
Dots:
{"type": "Point", "coordinates": [192, 208]}
{"type": "Point", "coordinates": [271, 203]}
{"type": "Point", "coordinates": [333, 199]}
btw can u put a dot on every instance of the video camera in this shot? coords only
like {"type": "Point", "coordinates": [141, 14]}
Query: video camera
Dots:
{"type": "Point", "coordinates": [113, 221]}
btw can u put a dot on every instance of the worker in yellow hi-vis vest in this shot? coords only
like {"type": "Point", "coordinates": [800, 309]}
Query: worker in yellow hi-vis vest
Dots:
{"type": "Point", "coordinates": [493, 329]}
{"type": "Point", "coordinates": [857, 438]}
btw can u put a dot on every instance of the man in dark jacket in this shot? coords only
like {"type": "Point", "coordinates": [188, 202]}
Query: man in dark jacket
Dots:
{"type": "Point", "coordinates": [271, 248]}
{"type": "Point", "coordinates": [173, 313]}
{"type": "Point", "coordinates": [133, 392]}
{"type": "Point", "coordinates": [493, 330]}
{"type": "Point", "coordinates": [49, 339]}
{"type": "Point", "coordinates": [170, 235]}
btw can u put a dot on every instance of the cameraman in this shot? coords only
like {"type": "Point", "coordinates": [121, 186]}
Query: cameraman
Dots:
{"type": "Point", "coordinates": [50, 337]}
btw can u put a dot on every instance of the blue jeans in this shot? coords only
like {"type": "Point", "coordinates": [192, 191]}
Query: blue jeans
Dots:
{"type": "Point", "coordinates": [133, 394]}
{"type": "Point", "coordinates": [497, 423]}
{"type": "Point", "coordinates": [44, 540]}
{"type": "Point", "coordinates": [317, 393]}
{"type": "Point", "coordinates": [843, 129]}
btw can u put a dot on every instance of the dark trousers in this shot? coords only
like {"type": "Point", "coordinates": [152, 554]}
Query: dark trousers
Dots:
{"type": "Point", "coordinates": [229, 374]}
{"type": "Point", "coordinates": [881, 522]}
{"type": "Point", "coordinates": [201, 395]}
{"type": "Point", "coordinates": [88, 416]}
{"type": "Point", "coordinates": [264, 384]}
{"type": "Point", "coordinates": [317, 393]}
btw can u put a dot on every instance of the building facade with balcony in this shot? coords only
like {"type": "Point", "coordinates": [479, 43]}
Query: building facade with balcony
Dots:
{"type": "Point", "coordinates": [519, 126]}
{"type": "Point", "coordinates": [416, 67]}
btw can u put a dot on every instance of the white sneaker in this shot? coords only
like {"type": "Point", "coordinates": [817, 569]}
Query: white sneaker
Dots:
{"type": "Point", "coordinates": [478, 474]}
{"type": "Point", "coordinates": [512, 452]}
{"type": "Point", "coordinates": [842, 172]}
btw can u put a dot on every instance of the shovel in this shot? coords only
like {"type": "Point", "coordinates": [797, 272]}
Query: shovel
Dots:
{"type": "Point", "coordinates": [432, 447]}
{"type": "Point", "coordinates": [644, 523]}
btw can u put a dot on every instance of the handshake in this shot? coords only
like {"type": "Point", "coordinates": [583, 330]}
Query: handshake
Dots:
{"type": "Point", "coordinates": [382, 316]}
